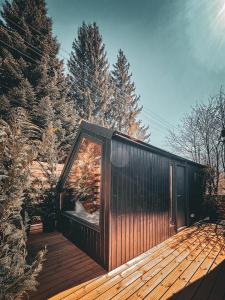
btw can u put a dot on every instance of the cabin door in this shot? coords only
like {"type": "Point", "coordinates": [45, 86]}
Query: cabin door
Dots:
{"type": "Point", "coordinates": [180, 197]}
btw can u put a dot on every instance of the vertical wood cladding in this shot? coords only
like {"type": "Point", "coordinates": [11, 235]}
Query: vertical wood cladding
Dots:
{"type": "Point", "coordinates": [139, 201]}
{"type": "Point", "coordinates": [93, 241]}
{"type": "Point", "coordinates": [196, 191]}
{"type": "Point", "coordinates": [83, 236]}
{"type": "Point", "coordinates": [143, 202]}
{"type": "Point", "coordinates": [139, 192]}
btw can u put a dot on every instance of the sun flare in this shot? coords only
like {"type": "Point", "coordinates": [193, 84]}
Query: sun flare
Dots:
{"type": "Point", "coordinates": [206, 31]}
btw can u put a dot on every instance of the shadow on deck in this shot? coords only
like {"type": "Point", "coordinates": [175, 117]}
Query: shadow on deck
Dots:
{"type": "Point", "coordinates": [189, 265]}
{"type": "Point", "coordinates": [65, 266]}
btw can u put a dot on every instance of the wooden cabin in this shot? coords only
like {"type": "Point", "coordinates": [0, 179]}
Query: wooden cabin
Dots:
{"type": "Point", "coordinates": [119, 197]}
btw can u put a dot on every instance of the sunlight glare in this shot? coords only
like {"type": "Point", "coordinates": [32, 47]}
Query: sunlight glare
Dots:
{"type": "Point", "coordinates": [206, 32]}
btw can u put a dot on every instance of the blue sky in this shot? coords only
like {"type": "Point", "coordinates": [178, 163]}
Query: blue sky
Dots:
{"type": "Point", "coordinates": [176, 49]}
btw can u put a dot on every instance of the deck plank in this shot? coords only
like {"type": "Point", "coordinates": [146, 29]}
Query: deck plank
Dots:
{"type": "Point", "coordinates": [186, 275]}
{"type": "Point", "coordinates": [148, 269]}
{"type": "Point", "coordinates": [66, 265]}
{"type": "Point", "coordinates": [155, 278]}
{"type": "Point", "coordinates": [134, 264]}
{"type": "Point", "coordinates": [189, 265]}
{"type": "Point", "coordinates": [79, 293]}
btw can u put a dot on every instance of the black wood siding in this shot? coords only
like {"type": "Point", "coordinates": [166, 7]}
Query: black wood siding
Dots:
{"type": "Point", "coordinates": [141, 210]}
{"type": "Point", "coordinates": [139, 201]}
{"type": "Point", "coordinates": [138, 205]}
{"type": "Point", "coordinates": [86, 238]}
{"type": "Point", "coordinates": [92, 241]}
{"type": "Point", "coordinates": [196, 191]}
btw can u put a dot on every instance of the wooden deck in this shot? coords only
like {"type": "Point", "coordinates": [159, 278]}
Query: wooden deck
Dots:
{"type": "Point", "coordinates": [190, 265]}
{"type": "Point", "coordinates": [65, 266]}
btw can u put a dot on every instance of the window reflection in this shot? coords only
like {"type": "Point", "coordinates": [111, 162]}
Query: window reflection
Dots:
{"type": "Point", "coordinates": [81, 195]}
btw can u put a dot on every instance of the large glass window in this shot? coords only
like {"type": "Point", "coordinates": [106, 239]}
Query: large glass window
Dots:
{"type": "Point", "coordinates": [81, 193]}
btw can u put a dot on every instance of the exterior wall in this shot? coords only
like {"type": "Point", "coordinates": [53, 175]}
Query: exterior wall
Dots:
{"type": "Point", "coordinates": [196, 192]}
{"type": "Point", "coordinates": [84, 236]}
{"type": "Point", "coordinates": [91, 240]}
{"type": "Point", "coordinates": [143, 207]}
{"type": "Point", "coordinates": [139, 201]}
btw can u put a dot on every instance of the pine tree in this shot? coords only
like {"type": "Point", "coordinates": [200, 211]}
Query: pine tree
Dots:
{"type": "Point", "coordinates": [16, 155]}
{"type": "Point", "coordinates": [31, 75]}
{"type": "Point", "coordinates": [89, 76]}
{"type": "Point", "coordinates": [126, 102]}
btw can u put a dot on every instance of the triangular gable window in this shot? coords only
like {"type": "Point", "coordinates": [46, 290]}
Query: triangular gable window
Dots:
{"type": "Point", "coordinates": [82, 189]}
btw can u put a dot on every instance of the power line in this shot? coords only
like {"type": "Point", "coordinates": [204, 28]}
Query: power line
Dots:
{"type": "Point", "coordinates": [18, 51]}
{"type": "Point", "coordinates": [155, 120]}
{"type": "Point", "coordinates": [161, 126]}
{"type": "Point", "coordinates": [35, 29]}
{"type": "Point", "coordinates": [159, 118]}
{"type": "Point", "coordinates": [154, 124]}
{"type": "Point", "coordinates": [26, 55]}
{"type": "Point", "coordinates": [21, 26]}
{"type": "Point", "coordinates": [16, 24]}
{"type": "Point", "coordinates": [32, 47]}
{"type": "Point", "coordinates": [64, 50]}
{"type": "Point", "coordinates": [163, 122]}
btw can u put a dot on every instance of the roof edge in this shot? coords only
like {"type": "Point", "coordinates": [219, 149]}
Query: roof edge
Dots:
{"type": "Point", "coordinates": [108, 133]}
{"type": "Point", "coordinates": [99, 130]}
{"type": "Point", "coordinates": [85, 126]}
{"type": "Point", "coordinates": [156, 149]}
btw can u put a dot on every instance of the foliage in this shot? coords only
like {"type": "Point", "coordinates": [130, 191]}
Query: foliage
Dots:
{"type": "Point", "coordinates": [49, 152]}
{"type": "Point", "coordinates": [209, 209]}
{"type": "Point", "coordinates": [41, 195]}
{"type": "Point", "coordinates": [16, 156]}
{"type": "Point", "coordinates": [126, 102]}
{"type": "Point", "coordinates": [32, 74]}
{"type": "Point", "coordinates": [85, 175]}
{"type": "Point", "coordinates": [89, 76]}
{"type": "Point", "coordinates": [199, 138]}
{"type": "Point", "coordinates": [102, 97]}
{"type": "Point", "coordinates": [214, 207]}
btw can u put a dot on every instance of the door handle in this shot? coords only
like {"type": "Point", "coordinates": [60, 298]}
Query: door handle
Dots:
{"type": "Point", "coordinates": [179, 195]}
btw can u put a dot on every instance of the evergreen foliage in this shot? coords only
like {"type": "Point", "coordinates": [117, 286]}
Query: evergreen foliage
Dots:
{"type": "Point", "coordinates": [91, 90]}
{"type": "Point", "coordinates": [16, 155]}
{"type": "Point", "coordinates": [50, 151]}
{"type": "Point", "coordinates": [126, 102]}
{"type": "Point", "coordinates": [100, 97]}
{"type": "Point", "coordinates": [30, 70]}
{"type": "Point", "coordinates": [41, 195]}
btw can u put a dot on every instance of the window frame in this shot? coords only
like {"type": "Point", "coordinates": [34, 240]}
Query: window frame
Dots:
{"type": "Point", "coordinates": [172, 221]}
{"type": "Point", "coordinates": [76, 151]}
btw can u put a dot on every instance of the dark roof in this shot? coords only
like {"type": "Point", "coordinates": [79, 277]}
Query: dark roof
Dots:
{"type": "Point", "coordinates": [110, 133]}
{"type": "Point", "coordinates": [98, 130]}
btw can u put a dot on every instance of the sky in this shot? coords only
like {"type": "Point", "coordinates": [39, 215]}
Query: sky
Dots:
{"type": "Point", "coordinates": [175, 48]}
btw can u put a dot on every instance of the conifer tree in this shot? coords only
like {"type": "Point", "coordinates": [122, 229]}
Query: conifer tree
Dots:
{"type": "Point", "coordinates": [126, 102]}
{"type": "Point", "coordinates": [31, 75]}
{"type": "Point", "coordinates": [16, 155]}
{"type": "Point", "coordinates": [89, 76]}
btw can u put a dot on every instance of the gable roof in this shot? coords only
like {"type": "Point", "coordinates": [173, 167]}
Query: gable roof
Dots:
{"type": "Point", "coordinates": [108, 134]}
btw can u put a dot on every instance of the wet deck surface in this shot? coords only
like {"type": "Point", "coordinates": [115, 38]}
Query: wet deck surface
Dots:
{"type": "Point", "coordinates": [190, 265]}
